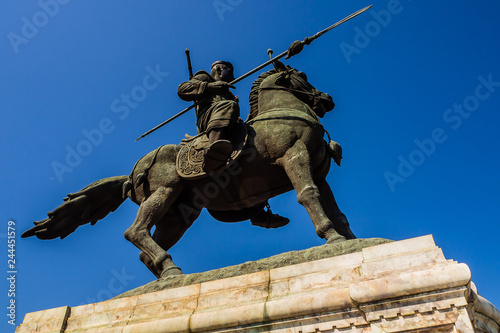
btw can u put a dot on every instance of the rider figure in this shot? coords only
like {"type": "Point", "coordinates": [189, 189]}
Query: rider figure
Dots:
{"type": "Point", "coordinates": [217, 111]}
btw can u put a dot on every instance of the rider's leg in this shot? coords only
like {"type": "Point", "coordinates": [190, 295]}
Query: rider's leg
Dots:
{"type": "Point", "coordinates": [217, 134]}
{"type": "Point", "coordinates": [219, 151]}
{"type": "Point", "coordinates": [223, 117]}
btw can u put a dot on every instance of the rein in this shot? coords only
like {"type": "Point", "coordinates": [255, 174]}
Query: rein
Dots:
{"type": "Point", "coordinates": [309, 98]}
{"type": "Point", "coordinates": [285, 114]}
{"type": "Point", "coordinates": [314, 94]}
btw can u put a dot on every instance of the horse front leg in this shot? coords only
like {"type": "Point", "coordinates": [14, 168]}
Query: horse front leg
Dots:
{"type": "Point", "coordinates": [333, 211]}
{"type": "Point", "coordinates": [297, 165]}
{"type": "Point", "coordinates": [151, 211]}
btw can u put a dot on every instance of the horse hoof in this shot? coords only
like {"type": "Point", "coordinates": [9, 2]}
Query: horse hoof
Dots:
{"type": "Point", "coordinates": [335, 239]}
{"type": "Point", "coordinates": [171, 272]}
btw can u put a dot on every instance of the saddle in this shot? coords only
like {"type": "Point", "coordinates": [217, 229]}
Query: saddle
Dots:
{"type": "Point", "coordinates": [190, 158]}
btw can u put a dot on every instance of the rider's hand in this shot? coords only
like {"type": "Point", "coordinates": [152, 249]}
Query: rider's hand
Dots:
{"type": "Point", "coordinates": [219, 87]}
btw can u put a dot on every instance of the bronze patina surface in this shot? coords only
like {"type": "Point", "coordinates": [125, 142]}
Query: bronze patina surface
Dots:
{"type": "Point", "coordinates": [285, 151]}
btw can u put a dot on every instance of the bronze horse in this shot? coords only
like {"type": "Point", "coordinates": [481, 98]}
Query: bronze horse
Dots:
{"type": "Point", "coordinates": [285, 151]}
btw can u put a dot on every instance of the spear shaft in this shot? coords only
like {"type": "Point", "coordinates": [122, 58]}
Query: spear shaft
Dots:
{"type": "Point", "coordinates": [190, 68]}
{"type": "Point", "coordinates": [294, 49]}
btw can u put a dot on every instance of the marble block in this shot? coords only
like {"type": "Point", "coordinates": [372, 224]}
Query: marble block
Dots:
{"type": "Point", "coordinates": [404, 286]}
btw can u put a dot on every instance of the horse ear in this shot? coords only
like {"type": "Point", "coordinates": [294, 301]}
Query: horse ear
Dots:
{"type": "Point", "coordinates": [282, 77]}
{"type": "Point", "coordinates": [279, 66]}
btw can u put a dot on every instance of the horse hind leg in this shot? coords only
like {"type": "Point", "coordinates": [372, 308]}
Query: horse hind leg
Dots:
{"type": "Point", "coordinates": [149, 264]}
{"type": "Point", "coordinates": [151, 211]}
{"type": "Point", "coordinates": [167, 233]}
{"type": "Point", "coordinates": [160, 270]}
{"type": "Point", "coordinates": [297, 165]}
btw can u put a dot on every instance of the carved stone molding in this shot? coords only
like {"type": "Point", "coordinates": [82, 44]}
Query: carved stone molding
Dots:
{"type": "Point", "coordinates": [405, 286]}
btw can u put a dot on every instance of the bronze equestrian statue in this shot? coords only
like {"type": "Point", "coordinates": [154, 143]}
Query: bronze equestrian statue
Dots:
{"type": "Point", "coordinates": [230, 168]}
{"type": "Point", "coordinates": [284, 150]}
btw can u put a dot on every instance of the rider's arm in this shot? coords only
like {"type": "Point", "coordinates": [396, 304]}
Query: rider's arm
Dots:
{"type": "Point", "coordinates": [201, 86]}
{"type": "Point", "coordinates": [194, 89]}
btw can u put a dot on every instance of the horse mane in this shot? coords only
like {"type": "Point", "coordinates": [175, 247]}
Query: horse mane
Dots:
{"type": "Point", "coordinates": [253, 99]}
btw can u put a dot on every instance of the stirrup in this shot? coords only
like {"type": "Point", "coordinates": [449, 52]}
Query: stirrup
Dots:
{"type": "Point", "coordinates": [268, 220]}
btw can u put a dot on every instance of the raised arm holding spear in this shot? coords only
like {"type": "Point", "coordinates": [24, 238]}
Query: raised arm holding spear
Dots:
{"type": "Point", "coordinates": [294, 49]}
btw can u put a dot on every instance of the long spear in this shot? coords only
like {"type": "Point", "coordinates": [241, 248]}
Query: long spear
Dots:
{"type": "Point", "coordinates": [294, 49]}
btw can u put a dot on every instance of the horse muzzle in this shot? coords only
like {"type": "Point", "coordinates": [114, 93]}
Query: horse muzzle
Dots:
{"type": "Point", "coordinates": [327, 102]}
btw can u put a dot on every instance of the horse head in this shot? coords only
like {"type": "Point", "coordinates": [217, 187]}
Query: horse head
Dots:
{"type": "Point", "coordinates": [296, 81]}
{"type": "Point", "coordinates": [293, 82]}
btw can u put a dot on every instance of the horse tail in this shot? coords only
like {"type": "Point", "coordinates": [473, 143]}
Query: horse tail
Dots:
{"type": "Point", "coordinates": [88, 205]}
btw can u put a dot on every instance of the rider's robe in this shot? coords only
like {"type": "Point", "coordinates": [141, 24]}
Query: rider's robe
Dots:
{"type": "Point", "coordinates": [212, 111]}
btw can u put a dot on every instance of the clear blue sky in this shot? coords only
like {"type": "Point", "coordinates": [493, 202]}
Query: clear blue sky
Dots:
{"type": "Point", "coordinates": [417, 88]}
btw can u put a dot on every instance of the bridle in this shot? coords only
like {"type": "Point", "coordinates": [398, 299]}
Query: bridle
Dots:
{"type": "Point", "coordinates": [315, 96]}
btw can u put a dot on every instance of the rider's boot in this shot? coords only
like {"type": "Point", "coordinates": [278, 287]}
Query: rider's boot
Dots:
{"type": "Point", "coordinates": [218, 152]}
{"type": "Point", "coordinates": [268, 220]}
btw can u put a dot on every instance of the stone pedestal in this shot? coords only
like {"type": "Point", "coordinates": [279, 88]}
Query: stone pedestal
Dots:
{"type": "Point", "coordinates": [405, 286]}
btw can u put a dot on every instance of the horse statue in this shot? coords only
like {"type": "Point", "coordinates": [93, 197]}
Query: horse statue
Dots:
{"type": "Point", "coordinates": [285, 150]}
